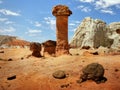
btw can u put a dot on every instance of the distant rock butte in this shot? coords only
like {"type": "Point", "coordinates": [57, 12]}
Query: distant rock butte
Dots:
{"type": "Point", "coordinates": [95, 33]}
{"type": "Point", "coordinates": [12, 41]}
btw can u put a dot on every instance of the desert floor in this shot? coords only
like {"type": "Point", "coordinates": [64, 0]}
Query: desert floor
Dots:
{"type": "Point", "coordinates": [36, 73]}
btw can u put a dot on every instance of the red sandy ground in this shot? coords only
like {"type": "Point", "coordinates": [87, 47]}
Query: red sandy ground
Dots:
{"type": "Point", "coordinates": [36, 73]}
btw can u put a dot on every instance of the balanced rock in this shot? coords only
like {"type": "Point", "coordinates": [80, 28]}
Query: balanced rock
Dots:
{"type": "Point", "coordinates": [61, 12]}
{"type": "Point", "coordinates": [35, 48]}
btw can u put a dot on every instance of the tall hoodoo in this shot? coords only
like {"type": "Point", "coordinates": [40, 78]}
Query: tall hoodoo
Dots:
{"type": "Point", "coordinates": [61, 12]}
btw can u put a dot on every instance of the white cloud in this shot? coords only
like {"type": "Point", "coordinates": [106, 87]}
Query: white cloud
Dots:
{"type": "Point", "coordinates": [34, 23]}
{"type": "Point", "coordinates": [107, 11]}
{"type": "Point", "coordinates": [38, 24]}
{"type": "Point", "coordinates": [83, 8]}
{"type": "Point", "coordinates": [104, 6]}
{"type": "Point", "coordinates": [72, 24]}
{"type": "Point", "coordinates": [89, 1]}
{"type": "Point", "coordinates": [6, 21]}
{"type": "Point", "coordinates": [8, 12]}
{"type": "Point", "coordinates": [106, 3]}
{"type": "Point", "coordinates": [33, 32]}
{"type": "Point", "coordinates": [9, 22]}
{"type": "Point", "coordinates": [51, 22]}
{"type": "Point", "coordinates": [3, 19]}
{"type": "Point", "coordinates": [7, 30]}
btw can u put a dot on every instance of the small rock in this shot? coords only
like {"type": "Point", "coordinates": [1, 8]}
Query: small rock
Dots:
{"type": "Point", "coordinates": [77, 54]}
{"type": "Point", "coordinates": [86, 47]}
{"type": "Point", "coordinates": [59, 74]}
{"type": "Point", "coordinates": [116, 70]}
{"type": "Point", "coordinates": [95, 53]}
{"type": "Point", "coordinates": [1, 51]}
{"type": "Point", "coordinates": [22, 58]}
{"type": "Point", "coordinates": [9, 59]}
{"type": "Point", "coordinates": [64, 86]}
{"type": "Point", "coordinates": [11, 77]}
{"type": "Point", "coordinates": [83, 61]}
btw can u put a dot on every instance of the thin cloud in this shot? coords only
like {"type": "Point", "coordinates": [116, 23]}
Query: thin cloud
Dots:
{"type": "Point", "coordinates": [38, 24]}
{"type": "Point", "coordinates": [88, 1]}
{"type": "Point", "coordinates": [33, 32]}
{"type": "Point", "coordinates": [9, 22]}
{"type": "Point", "coordinates": [3, 19]}
{"type": "Point", "coordinates": [7, 30]}
{"type": "Point", "coordinates": [51, 22]}
{"type": "Point", "coordinates": [6, 21]}
{"type": "Point", "coordinates": [72, 24]}
{"type": "Point", "coordinates": [8, 12]}
{"type": "Point", "coordinates": [34, 23]}
{"type": "Point", "coordinates": [104, 6]}
{"type": "Point", "coordinates": [108, 11]}
{"type": "Point", "coordinates": [106, 3]}
{"type": "Point", "coordinates": [83, 8]}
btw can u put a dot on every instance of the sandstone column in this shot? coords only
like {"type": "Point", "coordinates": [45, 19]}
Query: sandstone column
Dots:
{"type": "Point", "coordinates": [61, 12]}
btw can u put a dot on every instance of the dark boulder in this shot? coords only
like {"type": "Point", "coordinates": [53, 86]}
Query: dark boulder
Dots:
{"type": "Point", "coordinates": [93, 71]}
{"type": "Point", "coordinates": [35, 48]}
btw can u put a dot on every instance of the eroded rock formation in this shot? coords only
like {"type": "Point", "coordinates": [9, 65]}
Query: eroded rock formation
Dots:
{"type": "Point", "coordinates": [49, 47]}
{"type": "Point", "coordinates": [35, 48]}
{"type": "Point", "coordinates": [92, 33]}
{"type": "Point", "coordinates": [114, 33]}
{"type": "Point", "coordinates": [61, 12]}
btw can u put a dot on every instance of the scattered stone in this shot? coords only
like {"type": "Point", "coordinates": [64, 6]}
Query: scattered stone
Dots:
{"type": "Point", "coordinates": [95, 53]}
{"type": "Point", "coordinates": [86, 47]}
{"type": "Point", "coordinates": [93, 71]}
{"type": "Point", "coordinates": [11, 77]}
{"type": "Point", "coordinates": [22, 58]}
{"type": "Point", "coordinates": [64, 86]}
{"type": "Point", "coordinates": [106, 69]}
{"type": "Point", "coordinates": [116, 70]}
{"type": "Point", "coordinates": [83, 61]}
{"type": "Point", "coordinates": [10, 59]}
{"type": "Point", "coordinates": [77, 54]}
{"type": "Point", "coordinates": [0, 67]}
{"type": "Point", "coordinates": [59, 74]}
{"type": "Point", "coordinates": [1, 51]}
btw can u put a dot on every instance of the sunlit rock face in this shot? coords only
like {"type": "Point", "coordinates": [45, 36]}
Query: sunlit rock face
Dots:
{"type": "Point", "coordinates": [114, 33]}
{"type": "Point", "coordinates": [61, 12]}
{"type": "Point", "coordinates": [92, 33]}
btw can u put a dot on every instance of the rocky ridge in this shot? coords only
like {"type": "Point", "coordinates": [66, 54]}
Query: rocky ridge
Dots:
{"type": "Point", "coordinates": [12, 41]}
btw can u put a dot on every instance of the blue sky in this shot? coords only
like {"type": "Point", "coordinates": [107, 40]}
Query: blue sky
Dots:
{"type": "Point", "coordinates": [32, 20]}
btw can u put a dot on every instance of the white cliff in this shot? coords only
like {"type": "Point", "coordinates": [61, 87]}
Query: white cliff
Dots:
{"type": "Point", "coordinates": [92, 33]}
